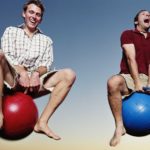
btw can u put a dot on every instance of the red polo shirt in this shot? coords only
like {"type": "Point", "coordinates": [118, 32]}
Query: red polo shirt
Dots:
{"type": "Point", "coordinates": [142, 48]}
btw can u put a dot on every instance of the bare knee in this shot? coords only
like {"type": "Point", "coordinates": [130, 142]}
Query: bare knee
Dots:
{"type": "Point", "coordinates": [69, 75]}
{"type": "Point", "coordinates": [115, 83]}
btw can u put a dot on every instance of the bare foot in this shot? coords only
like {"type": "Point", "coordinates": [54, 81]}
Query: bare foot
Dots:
{"type": "Point", "coordinates": [43, 128]}
{"type": "Point", "coordinates": [120, 131]}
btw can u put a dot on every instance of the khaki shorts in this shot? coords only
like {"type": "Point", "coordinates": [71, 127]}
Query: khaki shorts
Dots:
{"type": "Point", "coordinates": [43, 79]}
{"type": "Point", "coordinates": [130, 83]}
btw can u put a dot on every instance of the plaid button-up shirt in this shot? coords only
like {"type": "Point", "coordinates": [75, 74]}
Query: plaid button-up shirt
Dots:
{"type": "Point", "coordinates": [32, 52]}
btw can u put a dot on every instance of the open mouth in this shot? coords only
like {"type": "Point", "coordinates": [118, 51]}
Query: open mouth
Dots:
{"type": "Point", "coordinates": [32, 20]}
{"type": "Point", "coordinates": [146, 20]}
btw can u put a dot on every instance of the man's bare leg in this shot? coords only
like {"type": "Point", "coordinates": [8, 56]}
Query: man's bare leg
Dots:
{"type": "Point", "coordinates": [4, 74]}
{"type": "Point", "coordinates": [117, 86]}
{"type": "Point", "coordinates": [1, 113]}
{"type": "Point", "coordinates": [1, 88]}
{"type": "Point", "coordinates": [1, 96]}
{"type": "Point", "coordinates": [62, 82]}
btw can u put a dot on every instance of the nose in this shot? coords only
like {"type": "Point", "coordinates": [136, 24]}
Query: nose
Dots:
{"type": "Point", "coordinates": [34, 15]}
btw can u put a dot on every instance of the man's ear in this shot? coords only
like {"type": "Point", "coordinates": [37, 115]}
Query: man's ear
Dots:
{"type": "Point", "coordinates": [23, 15]}
{"type": "Point", "coordinates": [136, 22]}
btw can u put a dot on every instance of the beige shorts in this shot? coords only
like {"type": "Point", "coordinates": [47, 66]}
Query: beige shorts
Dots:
{"type": "Point", "coordinates": [43, 79]}
{"type": "Point", "coordinates": [130, 83]}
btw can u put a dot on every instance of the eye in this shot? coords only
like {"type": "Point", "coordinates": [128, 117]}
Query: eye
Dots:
{"type": "Point", "coordinates": [31, 11]}
{"type": "Point", "coordinates": [38, 14]}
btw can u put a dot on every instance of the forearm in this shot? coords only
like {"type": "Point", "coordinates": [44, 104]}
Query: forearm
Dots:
{"type": "Point", "coordinates": [130, 53]}
{"type": "Point", "coordinates": [41, 70]}
{"type": "Point", "coordinates": [19, 69]}
{"type": "Point", "coordinates": [35, 76]}
{"type": "Point", "coordinates": [133, 67]}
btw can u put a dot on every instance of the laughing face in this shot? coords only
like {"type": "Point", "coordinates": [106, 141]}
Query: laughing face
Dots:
{"type": "Point", "coordinates": [32, 17]}
{"type": "Point", "coordinates": [143, 21]}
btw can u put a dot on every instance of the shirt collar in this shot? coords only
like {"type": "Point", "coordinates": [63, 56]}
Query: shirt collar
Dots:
{"type": "Point", "coordinates": [37, 31]}
{"type": "Point", "coordinates": [137, 31]}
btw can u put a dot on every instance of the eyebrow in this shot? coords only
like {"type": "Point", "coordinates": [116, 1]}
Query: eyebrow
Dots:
{"type": "Point", "coordinates": [37, 13]}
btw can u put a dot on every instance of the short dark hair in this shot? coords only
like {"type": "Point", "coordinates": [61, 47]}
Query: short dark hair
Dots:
{"type": "Point", "coordinates": [136, 17]}
{"type": "Point", "coordinates": [36, 2]}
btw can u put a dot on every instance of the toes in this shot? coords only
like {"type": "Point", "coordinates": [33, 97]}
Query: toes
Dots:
{"type": "Point", "coordinates": [117, 136]}
{"type": "Point", "coordinates": [51, 135]}
{"type": "Point", "coordinates": [45, 130]}
{"type": "Point", "coordinates": [114, 141]}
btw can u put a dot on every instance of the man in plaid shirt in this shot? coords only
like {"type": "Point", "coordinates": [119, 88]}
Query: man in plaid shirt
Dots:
{"type": "Point", "coordinates": [25, 64]}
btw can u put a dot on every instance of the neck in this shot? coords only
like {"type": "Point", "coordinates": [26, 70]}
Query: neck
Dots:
{"type": "Point", "coordinates": [142, 30]}
{"type": "Point", "coordinates": [29, 32]}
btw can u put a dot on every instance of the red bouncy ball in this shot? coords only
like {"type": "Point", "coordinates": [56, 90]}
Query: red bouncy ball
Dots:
{"type": "Point", "coordinates": [20, 116]}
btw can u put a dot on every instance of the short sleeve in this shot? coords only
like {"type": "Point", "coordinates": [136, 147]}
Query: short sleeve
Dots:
{"type": "Point", "coordinates": [126, 37]}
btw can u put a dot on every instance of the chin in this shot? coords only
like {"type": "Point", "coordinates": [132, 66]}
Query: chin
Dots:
{"type": "Point", "coordinates": [32, 28]}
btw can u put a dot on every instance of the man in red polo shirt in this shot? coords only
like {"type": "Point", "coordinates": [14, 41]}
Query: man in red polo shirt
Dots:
{"type": "Point", "coordinates": [133, 75]}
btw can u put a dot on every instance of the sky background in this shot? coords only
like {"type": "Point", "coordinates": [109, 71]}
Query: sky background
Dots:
{"type": "Point", "coordinates": [86, 36]}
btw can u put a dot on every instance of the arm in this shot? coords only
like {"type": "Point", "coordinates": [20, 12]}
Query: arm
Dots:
{"type": "Point", "coordinates": [44, 62]}
{"type": "Point", "coordinates": [19, 69]}
{"type": "Point", "coordinates": [45, 59]}
{"type": "Point", "coordinates": [41, 70]}
{"type": "Point", "coordinates": [35, 76]}
{"type": "Point", "coordinates": [129, 51]}
{"type": "Point", "coordinates": [9, 47]}
{"type": "Point", "coordinates": [23, 76]}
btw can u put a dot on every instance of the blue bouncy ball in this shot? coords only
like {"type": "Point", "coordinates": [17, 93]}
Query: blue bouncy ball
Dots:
{"type": "Point", "coordinates": [136, 114]}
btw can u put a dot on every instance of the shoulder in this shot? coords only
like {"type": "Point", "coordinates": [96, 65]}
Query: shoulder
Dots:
{"type": "Point", "coordinates": [127, 32]}
{"type": "Point", "coordinates": [11, 30]}
{"type": "Point", "coordinates": [127, 37]}
{"type": "Point", "coordinates": [46, 38]}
